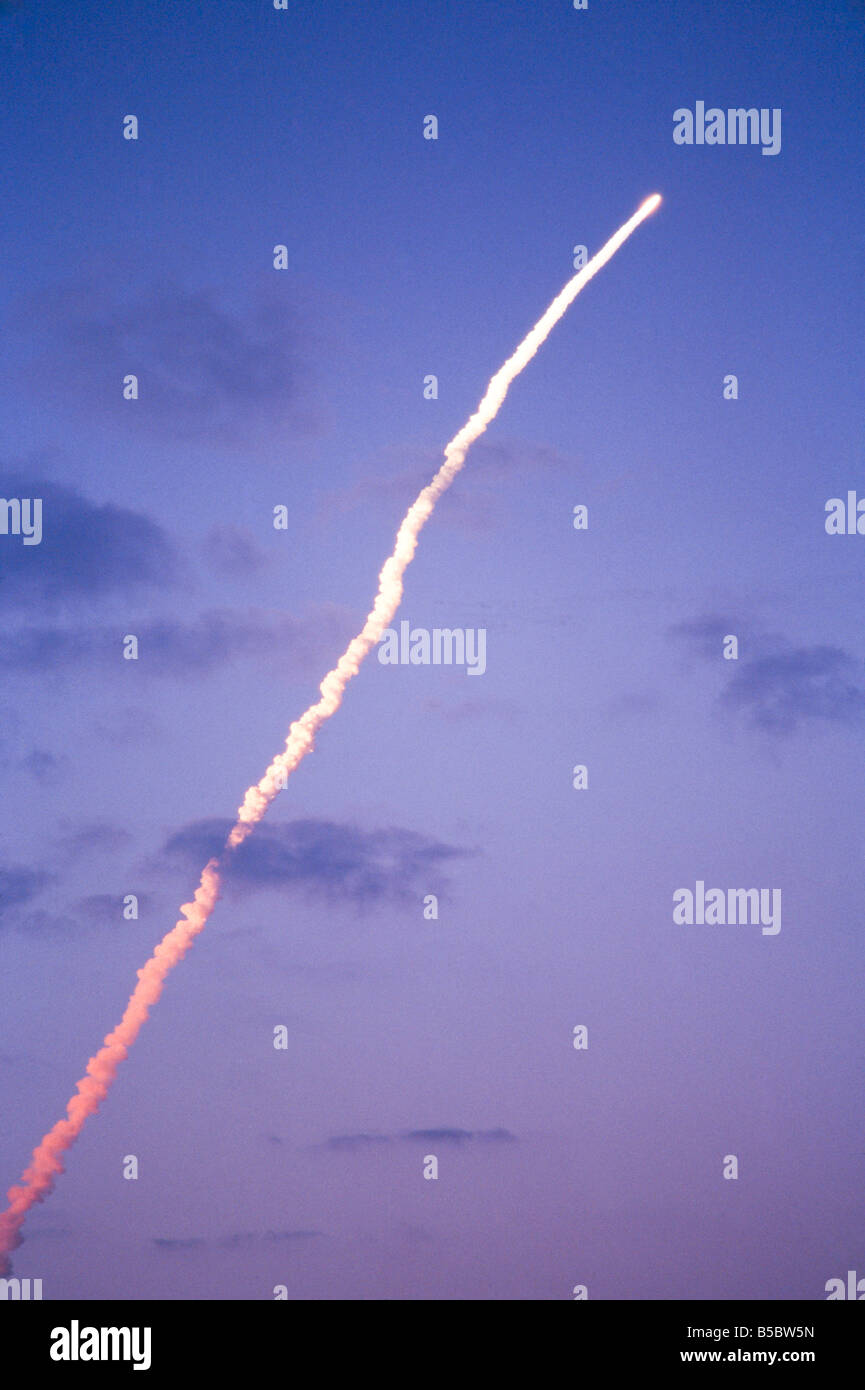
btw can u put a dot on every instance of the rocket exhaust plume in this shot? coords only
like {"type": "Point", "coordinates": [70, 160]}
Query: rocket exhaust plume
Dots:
{"type": "Point", "coordinates": [38, 1180]}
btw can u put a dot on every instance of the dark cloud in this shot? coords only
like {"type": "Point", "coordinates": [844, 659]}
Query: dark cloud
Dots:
{"type": "Point", "coordinates": [169, 647]}
{"type": "Point", "coordinates": [777, 686]}
{"type": "Point", "coordinates": [781, 691]}
{"type": "Point", "coordinates": [439, 1136]}
{"type": "Point", "coordinates": [322, 857]}
{"type": "Point", "coordinates": [460, 1136]}
{"type": "Point", "coordinates": [19, 886]}
{"type": "Point", "coordinates": [205, 373]}
{"type": "Point", "coordinates": [87, 549]}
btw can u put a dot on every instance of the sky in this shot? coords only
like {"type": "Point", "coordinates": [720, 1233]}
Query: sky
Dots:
{"type": "Point", "coordinates": [301, 1168]}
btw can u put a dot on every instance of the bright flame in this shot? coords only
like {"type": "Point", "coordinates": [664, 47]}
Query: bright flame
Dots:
{"type": "Point", "coordinates": [649, 206]}
{"type": "Point", "coordinates": [38, 1180]}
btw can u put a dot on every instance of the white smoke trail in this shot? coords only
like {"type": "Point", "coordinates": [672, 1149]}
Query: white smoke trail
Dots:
{"type": "Point", "coordinates": [38, 1179]}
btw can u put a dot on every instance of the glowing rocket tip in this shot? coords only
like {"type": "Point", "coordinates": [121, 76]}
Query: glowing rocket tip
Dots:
{"type": "Point", "coordinates": [650, 204]}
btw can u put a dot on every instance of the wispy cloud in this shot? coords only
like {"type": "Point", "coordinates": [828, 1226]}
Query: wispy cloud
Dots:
{"type": "Point", "coordinates": [703, 636]}
{"type": "Point", "coordinates": [478, 506]}
{"type": "Point", "coordinates": [348, 1143]}
{"type": "Point", "coordinates": [464, 710]}
{"type": "Point", "coordinates": [205, 372]}
{"type": "Point", "coordinates": [93, 837]}
{"type": "Point", "coordinates": [232, 551]}
{"type": "Point", "coordinates": [171, 647]}
{"type": "Point", "coordinates": [40, 923]}
{"type": "Point", "coordinates": [106, 908]}
{"type": "Point", "coordinates": [171, 1246]}
{"type": "Point", "coordinates": [46, 767]}
{"type": "Point", "coordinates": [367, 1143]}
{"type": "Point", "coordinates": [237, 1239]}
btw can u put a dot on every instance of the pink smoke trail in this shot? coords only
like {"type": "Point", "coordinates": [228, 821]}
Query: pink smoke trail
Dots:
{"type": "Point", "coordinates": [38, 1179]}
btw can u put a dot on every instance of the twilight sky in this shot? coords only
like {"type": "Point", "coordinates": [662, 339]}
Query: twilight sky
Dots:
{"type": "Point", "coordinates": [304, 388]}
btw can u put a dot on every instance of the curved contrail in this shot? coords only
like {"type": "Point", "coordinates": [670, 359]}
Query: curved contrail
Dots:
{"type": "Point", "coordinates": [38, 1180]}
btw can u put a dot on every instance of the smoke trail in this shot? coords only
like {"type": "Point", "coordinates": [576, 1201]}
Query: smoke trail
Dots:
{"type": "Point", "coordinates": [38, 1180]}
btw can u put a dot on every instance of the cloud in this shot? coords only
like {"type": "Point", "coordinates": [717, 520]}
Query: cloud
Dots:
{"type": "Point", "coordinates": [476, 507]}
{"type": "Point", "coordinates": [237, 1239]}
{"type": "Point", "coordinates": [462, 710]}
{"type": "Point", "coordinates": [45, 766]}
{"type": "Point", "coordinates": [350, 1142]}
{"type": "Point", "coordinates": [780, 692]}
{"type": "Point", "coordinates": [205, 373]}
{"type": "Point", "coordinates": [257, 1238]}
{"type": "Point", "coordinates": [232, 551]}
{"type": "Point", "coordinates": [127, 724]}
{"type": "Point", "coordinates": [460, 1136]}
{"type": "Point", "coordinates": [321, 857]}
{"type": "Point", "coordinates": [107, 908]}
{"type": "Point", "coordinates": [776, 685]}
{"type": "Point", "coordinates": [40, 923]}
{"type": "Point", "coordinates": [18, 886]}
{"type": "Point", "coordinates": [167, 1244]}
{"type": "Point", "coordinates": [704, 636]}
{"type": "Point", "coordinates": [96, 837]}
{"type": "Point", "coordinates": [170, 647]}
{"type": "Point", "coordinates": [360, 1143]}
{"type": "Point", "coordinates": [41, 764]}
{"type": "Point", "coordinates": [88, 549]}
